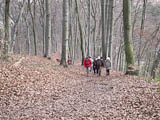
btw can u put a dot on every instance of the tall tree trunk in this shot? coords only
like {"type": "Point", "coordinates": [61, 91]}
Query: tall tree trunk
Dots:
{"type": "Point", "coordinates": [137, 8]}
{"type": "Point", "coordinates": [53, 35]}
{"type": "Point", "coordinates": [28, 39]}
{"type": "Point", "coordinates": [89, 29]}
{"type": "Point", "coordinates": [33, 16]}
{"type": "Point", "coordinates": [107, 24]}
{"type": "Point", "coordinates": [76, 38]}
{"type": "Point", "coordinates": [28, 42]}
{"type": "Point", "coordinates": [65, 33]}
{"type": "Point", "coordinates": [81, 32]}
{"type": "Point", "coordinates": [1, 36]}
{"type": "Point", "coordinates": [42, 4]}
{"type": "Point", "coordinates": [7, 27]}
{"type": "Point", "coordinates": [155, 65]}
{"type": "Point", "coordinates": [103, 30]}
{"type": "Point", "coordinates": [94, 36]}
{"type": "Point", "coordinates": [128, 33]}
{"type": "Point", "coordinates": [48, 30]}
{"type": "Point", "coordinates": [70, 45]}
{"type": "Point", "coordinates": [110, 28]}
{"type": "Point", "coordinates": [141, 31]}
{"type": "Point", "coordinates": [14, 30]}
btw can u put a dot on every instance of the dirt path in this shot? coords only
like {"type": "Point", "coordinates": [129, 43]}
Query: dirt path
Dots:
{"type": "Point", "coordinates": [39, 89]}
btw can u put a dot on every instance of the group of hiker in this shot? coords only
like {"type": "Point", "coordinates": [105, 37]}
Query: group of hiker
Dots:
{"type": "Point", "coordinates": [96, 63]}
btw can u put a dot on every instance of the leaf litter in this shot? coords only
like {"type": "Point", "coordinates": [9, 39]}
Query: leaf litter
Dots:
{"type": "Point", "coordinates": [40, 89]}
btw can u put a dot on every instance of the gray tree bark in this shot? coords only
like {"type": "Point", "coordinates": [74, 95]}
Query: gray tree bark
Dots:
{"type": "Point", "coordinates": [103, 30]}
{"type": "Point", "coordinates": [48, 30]}
{"type": "Point", "coordinates": [7, 27]}
{"type": "Point", "coordinates": [81, 33]}
{"type": "Point", "coordinates": [89, 29]}
{"type": "Point", "coordinates": [65, 33]}
{"type": "Point", "coordinates": [33, 16]}
{"type": "Point", "coordinates": [155, 65]}
{"type": "Point", "coordinates": [14, 30]}
{"type": "Point", "coordinates": [42, 4]}
{"type": "Point", "coordinates": [128, 36]}
{"type": "Point", "coordinates": [142, 31]}
{"type": "Point", "coordinates": [110, 28]}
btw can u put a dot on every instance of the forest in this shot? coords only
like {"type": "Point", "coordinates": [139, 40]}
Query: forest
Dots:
{"type": "Point", "coordinates": [43, 46]}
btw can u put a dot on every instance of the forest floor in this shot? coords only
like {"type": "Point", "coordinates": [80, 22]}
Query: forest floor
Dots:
{"type": "Point", "coordinates": [34, 88]}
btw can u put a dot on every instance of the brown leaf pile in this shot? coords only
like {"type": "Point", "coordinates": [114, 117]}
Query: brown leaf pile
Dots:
{"type": "Point", "coordinates": [39, 89]}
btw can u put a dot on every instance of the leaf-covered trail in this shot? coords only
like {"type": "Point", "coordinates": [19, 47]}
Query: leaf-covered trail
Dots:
{"type": "Point", "coordinates": [40, 89]}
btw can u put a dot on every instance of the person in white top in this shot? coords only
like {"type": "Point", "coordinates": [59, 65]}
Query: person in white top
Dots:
{"type": "Point", "coordinates": [108, 65]}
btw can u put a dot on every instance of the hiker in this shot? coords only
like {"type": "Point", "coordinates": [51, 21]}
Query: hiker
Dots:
{"type": "Point", "coordinates": [98, 65]}
{"type": "Point", "coordinates": [108, 65]}
{"type": "Point", "coordinates": [90, 58]}
{"type": "Point", "coordinates": [95, 66]}
{"type": "Point", "coordinates": [103, 65]}
{"type": "Point", "coordinates": [87, 64]}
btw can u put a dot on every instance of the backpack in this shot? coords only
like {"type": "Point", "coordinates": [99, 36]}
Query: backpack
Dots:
{"type": "Point", "coordinates": [98, 63]}
{"type": "Point", "coordinates": [108, 64]}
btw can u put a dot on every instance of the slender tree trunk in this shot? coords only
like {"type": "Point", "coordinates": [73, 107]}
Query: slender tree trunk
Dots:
{"type": "Point", "coordinates": [128, 34]}
{"type": "Point", "coordinates": [48, 30]}
{"type": "Point", "coordinates": [43, 15]}
{"type": "Point", "coordinates": [135, 16]}
{"type": "Point", "coordinates": [141, 31]}
{"type": "Point", "coordinates": [103, 30]}
{"type": "Point", "coordinates": [28, 40]}
{"type": "Point", "coordinates": [7, 27]}
{"type": "Point", "coordinates": [33, 16]}
{"type": "Point", "coordinates": [65, 33]}
{"type": "Point", "coordinates": [98, 51]}
{"type": "Point", "coordinates": [94, 37]}
{"type": "Point", "coordinates": [76, 38]}
{"type": "Point", "coordinates": [1, 37]}
{"type": "Point", "coordinates": [111, 28]}
{"type": "Point", "coordinates": [107, 24]}
{"type": "Point", "coordinates": [81, 33]}
{"type": "Point", "coordinates": [155, 65]}
{"type": "Point", "coordinates": [89, 29]}
{"type": "Point", "coordinates": [53, 35]}
{"type": "Point", "coordinates": [70, 45]}
{"type": "Point", "coordinates": [14, 30]}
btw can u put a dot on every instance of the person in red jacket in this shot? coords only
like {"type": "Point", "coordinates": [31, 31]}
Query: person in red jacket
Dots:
{"type": "Point", "coordinates": [87, 64]}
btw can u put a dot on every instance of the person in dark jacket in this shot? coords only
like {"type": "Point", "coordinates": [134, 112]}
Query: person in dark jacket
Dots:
{"type": "Point", "coordinates": [98, 65]}
{"type": "Point", "coordinates": [95, 66]}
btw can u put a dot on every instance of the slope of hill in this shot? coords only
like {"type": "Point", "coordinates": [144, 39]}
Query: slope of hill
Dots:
{"type": "Point", "coordinates": [40, 89]}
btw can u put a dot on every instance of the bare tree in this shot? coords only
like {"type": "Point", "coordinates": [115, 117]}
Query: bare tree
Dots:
{"type": "Point", "coordinates": [128, 35]}
{"type": "Point", "coordinates": [142, 27]}
{"type": "Point", "coordinates": [89, 25]}
{"type": "Point", "coordinates": [7, 27]}
{"type": "Point", "coordinates": [110, 15]}
{"type": "Point", "coordinates": [33, 16]}
{"type": "Point", "coordinates": [81, 32]}
{"type": "Point", "coordinates": [155, 65]}
{"type": "Point", "coordinates": [15, 28]}
{"type": "Point", "coordinates": [65, 33]}
{"type": "Point", "coordinates": [103, 30]}
{"type": "Point", "coordinates": [48, 30]}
